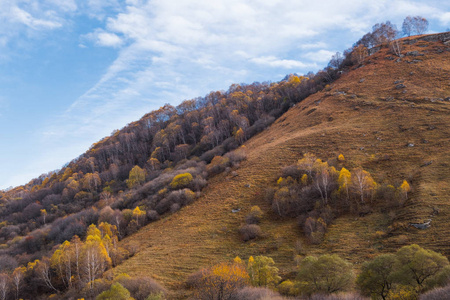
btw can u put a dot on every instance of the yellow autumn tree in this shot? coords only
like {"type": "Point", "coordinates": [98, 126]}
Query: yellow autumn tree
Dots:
{"type": "Point", "coordinates": [240, 136]}
{"type": "Point", "coordinates": [61, 261]}
{"type": "Point", "coordinates": [405, 188]}
{"type": "Point", "coordinates": [262, 271]}
{"type": "Point", "coordinates": [323, 178]}
{"type": "Point", "coordinates": [221, 281]}
{"type": "Point", "coordinates": [136, 177]}
{"type": "Point", "coordinates": [93, 231]}
{"type": "Point", "coordinates": [95, 259]}
{"type": "Point", "coordinates": [344, 181]}
{"type": "Point", "coordinates": [362, 184]}
{"type": "Point", "coordinates": [138, 214]}
{"type": "Point", "coordinates": [154, 163]}
{"type": "Point", "coordinates": [181, 180]}
{"type": "Point", "coordinates": [17, 279]}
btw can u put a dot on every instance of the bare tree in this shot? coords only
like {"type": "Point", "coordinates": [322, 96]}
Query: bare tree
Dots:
{"type": "Point", "coordinates": [417, 24]}
{"type": "Point", "coordinates": [384, 33]}
{"type": "Point", "coordinates": [4, 284]}
{"type": "Point", "coordinates": [420, 24]}
{"type": "Point", "coordinates": [407, 27]}
{"type": "Point", "coordinates": [336, 60]}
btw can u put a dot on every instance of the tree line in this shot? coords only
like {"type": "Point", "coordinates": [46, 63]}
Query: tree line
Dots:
{"type": "Point", "coordinates": [406, 274]}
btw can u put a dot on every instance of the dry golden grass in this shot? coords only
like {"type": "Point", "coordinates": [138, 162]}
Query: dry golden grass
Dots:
{"type": "Point", "coordinates": [371, 124]}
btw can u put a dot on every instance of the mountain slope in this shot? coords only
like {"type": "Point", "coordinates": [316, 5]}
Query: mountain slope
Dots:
{"type": "Point", "coordinates": [391, 116]}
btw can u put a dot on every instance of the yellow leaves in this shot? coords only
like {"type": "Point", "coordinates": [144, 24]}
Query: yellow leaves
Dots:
{"type": "Point", "coordinates": [181, 180]}
{"type": "Point", "coordinates": [156, 153]}
{"type": "Point", "coordinates": [231, 272]}
{"type": "Point", "coordinates": [341, 157]}
{"type": "Point", "coordinates": [93, 231]}
{"type": "Point", "coordinates": [32, 265]}
{"type": "Point", "coordinates": [154, 163]}
{"type": "Point", "coordinates": [405, 187]}
{"type": "Point", "coordinates": [262, 271]}
{"type": "Point", "coordinates": [107, 229]}
{"type": "Point", "coordinates": [240, 135]}
{"type": "Point", "coordinates": [136, 177]}
{"type": "Point", "coordinates": [304, 179]}
{"type": "Point", "coordinates": [294, 80]}
{"type": "Point", "coordinates": [363, 183]}
{"type": "Point", "coordinates": [256, 212]}
{"type": "Point", "coordinates": [237, 260]}
{"type": "Point", "coordinates": [344, 178]}
{"type": "Point", "coordinates": [138, 214]}
{"type": "Point", "coordinates": [286, 181]}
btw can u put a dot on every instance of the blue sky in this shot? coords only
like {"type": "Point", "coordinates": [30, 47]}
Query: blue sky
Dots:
{"type": "Point", "coordinates": [72, 71]}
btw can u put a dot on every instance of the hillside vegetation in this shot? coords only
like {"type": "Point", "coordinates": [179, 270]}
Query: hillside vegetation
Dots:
{"type": "Point", "coordinates": [390, 115]}
{"type": "Point", "coordinates": [170, 194]}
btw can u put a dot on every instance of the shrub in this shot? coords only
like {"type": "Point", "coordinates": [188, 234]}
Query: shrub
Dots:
{"type": "Point", "coordinates": [236, 156]}
{"type": "Point", "coordinates": [152, 215]}
{"type": "Point", "coordinates": [255, 215]}
{"type": "Point", "coordinates": [181, 181]}
{"type": "Point", "coordinates": [217, 165]}
{"type": "Point", "coordinates": [290, 171]}
{"type": "Point", "coordinates": [437, 294]}
{"type": "Point", "coordinates": [315, 229]}
{"type": "Point", "coordinates": [422, 268]}
{"type": "Point", "coordinates": [141, 287]}
{"type": "Point", "coordinates": [345, 296]}
{"type": "Point", "coordinates": [174, 208]}
{"type": "Point", "coordinates": [256, 293]}
{"type": "Point", "coordinates": [116, 292]}
{"type": "Point", "coordinates": [221, 281]}
{"type": "Point", "coordinates": [262, 271]}
{"type": "Point", "coordinates": [377, 276]}
{"type": "Point", "coordinates": [288, 288]}
{"type": "Point", "coordinates": [209, 155]}
{"type": "Point", "coordinates": [249, 232]}
{"type": "Point", "coordinates": [325, 274]}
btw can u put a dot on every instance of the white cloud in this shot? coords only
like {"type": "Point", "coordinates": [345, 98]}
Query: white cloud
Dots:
{"type": "Point", "coordinates": [22, 16]}
{"type": "Point", "coordinates": [103, 38]}
{"type": "Point", "coordinates": [445, 18]}
{"type": "Point", "coordinates": [272, 61]}
{"type": "Point", "coordinates": [308, 46]}
{"type": "Point", "coordinates": [320, 56]}
{"type": "Point", "coordinates": [173, 50]}
{"type": "Point", "coordinates": [23, 20]}
{"type": "Point", "coordinates": [63, 5]}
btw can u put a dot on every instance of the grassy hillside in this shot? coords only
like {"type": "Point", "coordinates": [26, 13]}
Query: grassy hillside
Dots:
{"type": "Point", "coordinates": [391, 116]}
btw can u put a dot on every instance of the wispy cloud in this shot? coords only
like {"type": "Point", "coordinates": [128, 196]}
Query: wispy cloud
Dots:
{"type": "Point", "coordinates": [168, 51]}
{"type": "Point", "coordinates": [273, 61]}
{"type": "Point", "coordinates": [320, 56]}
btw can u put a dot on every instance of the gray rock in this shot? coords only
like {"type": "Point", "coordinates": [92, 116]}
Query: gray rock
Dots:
{"type": "Point", "coordinates": [414, 53]}
{"type": "Point", "coordinates": [421, 225]}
